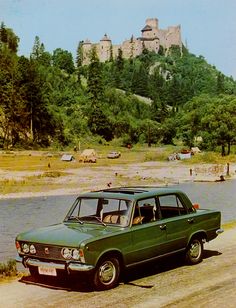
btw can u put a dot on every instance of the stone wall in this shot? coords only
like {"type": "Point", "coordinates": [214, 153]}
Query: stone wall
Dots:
{"type": "Point", "coordinates": [152, 38]}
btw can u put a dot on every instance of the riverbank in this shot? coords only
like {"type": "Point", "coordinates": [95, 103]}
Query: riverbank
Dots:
{"type": "Point", "coordinates": [76, 179]}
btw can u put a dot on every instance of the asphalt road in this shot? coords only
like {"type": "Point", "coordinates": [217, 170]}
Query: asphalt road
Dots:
{"type": "Point", "coordinates": [168, 283]}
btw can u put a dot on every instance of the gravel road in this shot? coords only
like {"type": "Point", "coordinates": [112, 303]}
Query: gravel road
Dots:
{"type": "Point", "coordinates": [168, 283]}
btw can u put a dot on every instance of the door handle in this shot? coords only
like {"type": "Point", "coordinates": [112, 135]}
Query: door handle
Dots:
{"type": "Point", "coordinates": [163, 227]}
{"type": "Point", "coordinates": [190, 220]}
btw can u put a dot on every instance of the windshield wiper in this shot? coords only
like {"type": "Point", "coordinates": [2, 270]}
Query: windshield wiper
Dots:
{"type": "Point", "coordinates": [75, 218]}
{"type": "Point", "coordinates": [94, 217]}
{"type": "Point", "coordinates": [99, 219]}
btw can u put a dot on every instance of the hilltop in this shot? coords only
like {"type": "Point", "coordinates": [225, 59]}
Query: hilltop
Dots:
{"type": "Point", "coordinates": [48, 101]}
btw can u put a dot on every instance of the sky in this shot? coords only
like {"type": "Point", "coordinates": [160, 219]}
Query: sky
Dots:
{"type": "Point", "coordinates": [208, 27]}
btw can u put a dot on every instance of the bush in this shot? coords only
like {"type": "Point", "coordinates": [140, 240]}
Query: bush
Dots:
{"type": "Point", "coordinates": [8, 269]}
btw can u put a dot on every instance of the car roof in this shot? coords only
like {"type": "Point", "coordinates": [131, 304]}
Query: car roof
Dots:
{"type": "Point", "coordinates": [130, 192]}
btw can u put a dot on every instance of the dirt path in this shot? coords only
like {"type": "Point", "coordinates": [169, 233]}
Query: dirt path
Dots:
{"type": "Point", "coordinates": [211, 283]}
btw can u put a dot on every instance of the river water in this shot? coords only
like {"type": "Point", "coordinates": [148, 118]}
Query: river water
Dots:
{"type": "Point", "coordinates": [21, 214]}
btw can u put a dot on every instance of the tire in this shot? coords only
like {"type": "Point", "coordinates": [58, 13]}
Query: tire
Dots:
{"type": "Point", "coordinates": [107, 274]}
{"type": "Point", "coordinates": [194, 252]}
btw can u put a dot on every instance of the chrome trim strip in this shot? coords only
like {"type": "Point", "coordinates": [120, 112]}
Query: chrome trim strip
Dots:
{"type": "Point", "coordinates": [70, 268]}
{"type": "Point", "coordinates": [33, 262]}
{"type": "Point", "coordinates": [80, 267]}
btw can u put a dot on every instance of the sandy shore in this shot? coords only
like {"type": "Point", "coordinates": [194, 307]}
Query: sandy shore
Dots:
{"type": "Point", "coordinates": [94, 177]}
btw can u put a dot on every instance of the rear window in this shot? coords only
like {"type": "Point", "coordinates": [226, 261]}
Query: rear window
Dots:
{"type": "Point", "coordinates": [171, 205]}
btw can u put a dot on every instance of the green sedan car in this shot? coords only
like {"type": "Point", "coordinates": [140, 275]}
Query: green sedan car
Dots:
{"type": "Point", "coordinates": [108, 231]}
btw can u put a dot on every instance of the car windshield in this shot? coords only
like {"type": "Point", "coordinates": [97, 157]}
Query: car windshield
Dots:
{"type": "Point", "coordinates": [100, 211]}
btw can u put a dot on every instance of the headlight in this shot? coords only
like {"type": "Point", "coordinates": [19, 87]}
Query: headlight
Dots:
{"type": "Point", "coordinates": [66, 253]}
{"type": "Point", "coordinates": [75, 254]}
{"type": "Point", "coordinates": [25, 248]}
{"type": "Point", "coordinates": [32, 249]}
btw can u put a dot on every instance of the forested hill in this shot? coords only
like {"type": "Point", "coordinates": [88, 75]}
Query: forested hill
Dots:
{"type": "Point", "coordinates": [52, 99]}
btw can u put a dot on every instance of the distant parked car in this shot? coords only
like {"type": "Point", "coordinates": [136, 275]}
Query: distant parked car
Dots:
{"type": "Point", "coordinates": [108, 231]}
{"type": "Point", "coordinates": [113, 154]}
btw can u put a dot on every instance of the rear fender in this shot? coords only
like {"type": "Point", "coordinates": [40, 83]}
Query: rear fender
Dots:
{"type": "Point", "coordinates": [200, 234]}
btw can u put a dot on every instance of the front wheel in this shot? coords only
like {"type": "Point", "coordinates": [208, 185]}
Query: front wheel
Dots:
{"type": "Point", "coordinates": [194, 252]}
{"type": "Point", "coordinates": [107, 274]}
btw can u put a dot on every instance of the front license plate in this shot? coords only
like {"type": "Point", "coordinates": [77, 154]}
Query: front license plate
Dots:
{"type": "Point", "coordinates": [49, 271]}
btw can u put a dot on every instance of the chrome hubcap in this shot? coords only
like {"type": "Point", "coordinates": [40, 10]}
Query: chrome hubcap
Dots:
{"type": "Point", "coordinates": [195, 250]}
{"type": "Point", "coordinates": [107, 272]}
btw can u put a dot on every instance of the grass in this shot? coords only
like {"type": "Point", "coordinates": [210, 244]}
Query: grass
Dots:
{"type": "Point", "coordinates": [212, 158]}
{"type": "Point", "coordinates": [36, 183]}
{"type": "Point", "coordinates": [8, 269]}
{"type": "Point", "coordinates": [32, 185]}
{"type": "Point", "coordinates": [229, 225]}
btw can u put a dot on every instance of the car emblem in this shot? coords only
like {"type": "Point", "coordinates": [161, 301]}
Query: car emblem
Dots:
{"type": "Point", "coordinates": [46, 250]}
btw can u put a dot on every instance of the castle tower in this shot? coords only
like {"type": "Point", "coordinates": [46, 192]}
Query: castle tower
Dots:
{"type": "Point", "coordinates": [150, 31]}
{"type": "Point", "coordinates": [105, 48]}
{"type": "Point", "coordinates": [86, 49]}
{"type": "Point", "coordinates": [152, 22]}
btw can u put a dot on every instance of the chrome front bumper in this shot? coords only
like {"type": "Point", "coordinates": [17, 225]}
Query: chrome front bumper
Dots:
{"type": "Point", "coordinates": [69, 267]}
{"type": "Point", "coordinates": [219, 231]}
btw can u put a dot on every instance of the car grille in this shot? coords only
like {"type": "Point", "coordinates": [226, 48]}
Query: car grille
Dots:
{"type": "Point", "coordinates": [49, 252]}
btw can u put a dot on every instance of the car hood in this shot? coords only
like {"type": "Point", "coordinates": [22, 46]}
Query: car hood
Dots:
{"type": "Point", "coordinates": [67, 234]}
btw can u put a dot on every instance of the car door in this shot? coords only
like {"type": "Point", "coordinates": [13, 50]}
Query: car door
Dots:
{"type": "Point", "coordinates": [148, 236]}
{"type": "Point", "coordinates": [176, 220]}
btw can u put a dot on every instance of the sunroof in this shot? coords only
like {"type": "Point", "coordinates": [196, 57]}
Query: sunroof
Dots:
{"type": "Point", "coordinates": [126, 190]}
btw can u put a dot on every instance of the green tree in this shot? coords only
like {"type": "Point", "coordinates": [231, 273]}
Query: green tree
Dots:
{"type": "Point", "coordinates": [140, 80]}
{"type": "Point", "coordinates": [79, 55]}
{"type": "Point", "coordinates": [219, 123]}
{"type": "Point", "coordinates": [39, 54]}
{"type": "Point", "coordinates": [220, 84]}
{"type": "Point", "coordinates": [97, 118]}
{"type": "Point", "coordinates": [211, 118]}
{"type": "Point", "coordinates": [11, 99]}
{"type": "Point", "coordinates": [150, 131]}
{"type": "Point", "coordinates": [168, 130]}
{"type": "Point", "coordinates": [118, 68]}
{"type": "Point", "coordinates": [8, 38]}
{"type": "Point", "coordinates": [63, 60]}
{"type": "Point", "coordinates": [37, 50]}
{"type": "Point", "coordinates": [157, 85]}
{"type": "Point", "coordinates": [95, 79]}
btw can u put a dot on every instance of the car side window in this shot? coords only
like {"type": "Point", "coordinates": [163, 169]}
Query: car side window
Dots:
{"type": "Point", "coordinates": [145, 209]}
{"type": "Point", "coordinates": [171, 206]}
{"type": "Point", "coordinates": [116, 211]}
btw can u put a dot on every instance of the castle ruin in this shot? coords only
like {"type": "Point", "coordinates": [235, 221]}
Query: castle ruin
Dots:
{"type": "Point", "coordinates": [152, 38]}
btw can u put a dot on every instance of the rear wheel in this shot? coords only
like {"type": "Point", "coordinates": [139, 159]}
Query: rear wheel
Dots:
{"type": "Point", "coordinates": [194, 252]}
{"type": "Point", "coordinates": [107, 273]}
